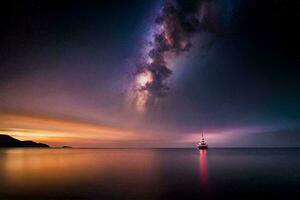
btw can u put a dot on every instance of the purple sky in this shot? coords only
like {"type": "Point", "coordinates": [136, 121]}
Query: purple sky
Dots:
{"type": "Point", "coordinates": [73, 63]}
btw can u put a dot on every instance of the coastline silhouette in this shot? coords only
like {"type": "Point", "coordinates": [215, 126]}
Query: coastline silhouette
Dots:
{"type": "Point", "coordinates": [8, 141]}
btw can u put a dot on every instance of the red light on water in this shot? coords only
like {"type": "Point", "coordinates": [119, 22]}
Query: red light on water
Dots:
{"type": "Point", "coordinates": [203, 170]}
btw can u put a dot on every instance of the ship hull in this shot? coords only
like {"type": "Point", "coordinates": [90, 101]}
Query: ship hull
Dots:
{"type": "Point", "coordinates": [202, 147]}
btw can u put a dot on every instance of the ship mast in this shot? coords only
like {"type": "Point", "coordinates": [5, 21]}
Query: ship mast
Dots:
{"type": "Point", "coordinates": [202, 141]}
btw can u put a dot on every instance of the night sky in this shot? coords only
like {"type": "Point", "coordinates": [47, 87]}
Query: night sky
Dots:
{"type": "Point", "coordinates": [68, 69]}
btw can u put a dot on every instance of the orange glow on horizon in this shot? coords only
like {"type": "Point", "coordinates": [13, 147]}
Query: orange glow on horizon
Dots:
{"type": "Point", "coordinates": [57, 132]}
{"type": "Point", "coordinates": [75, 133]}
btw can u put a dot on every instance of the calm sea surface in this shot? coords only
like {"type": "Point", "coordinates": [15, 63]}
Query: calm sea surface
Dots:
{"type": "Point", "coordinates": [149, 173]}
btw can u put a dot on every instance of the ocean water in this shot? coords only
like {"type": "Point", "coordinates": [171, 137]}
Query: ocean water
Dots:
{"type": "Point", "coordinates": [149, 173]}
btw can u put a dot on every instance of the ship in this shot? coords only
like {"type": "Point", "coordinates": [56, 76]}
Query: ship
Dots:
{"type": "Point", "coordinates": [202, 144]}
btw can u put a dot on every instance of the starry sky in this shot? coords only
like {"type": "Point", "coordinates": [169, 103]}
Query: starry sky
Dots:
{"type": "Point", "coordinates": [67, 68]}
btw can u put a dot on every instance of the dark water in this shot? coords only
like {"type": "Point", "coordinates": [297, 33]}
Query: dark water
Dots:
{"type": "Point", "coordinates": [149, 173]}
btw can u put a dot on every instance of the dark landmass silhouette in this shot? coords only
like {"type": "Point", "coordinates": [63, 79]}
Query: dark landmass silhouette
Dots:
{"type": "Point", "coordinates": [8, 141]}
{"type": "Point", "coordinates": [66, 147]}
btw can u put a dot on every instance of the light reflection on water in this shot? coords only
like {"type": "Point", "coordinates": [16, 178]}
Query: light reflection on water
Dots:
{"type": "Point", "coordinates": [40, 172]}
{"type": "Point", "coordinates": [147, 173]}
{"type": "Point", "coordinates": [203, 170]}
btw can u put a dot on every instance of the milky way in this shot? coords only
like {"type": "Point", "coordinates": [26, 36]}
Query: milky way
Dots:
{"type": "Point", "coordinates": [176, 24]}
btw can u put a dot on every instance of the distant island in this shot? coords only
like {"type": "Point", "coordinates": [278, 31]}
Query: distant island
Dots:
{"type": "Point", "coordinates": [66, 147]}
{"type": "Point", "coordinates": [8, 141]}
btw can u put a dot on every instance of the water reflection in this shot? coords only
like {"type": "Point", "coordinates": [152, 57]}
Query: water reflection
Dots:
{"type": "Point", "coordinates": [203, 170]}
{"type": "Point", "coordinates": [148, 173]}
{"type": "Point", "coordinates": [80, 173]}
